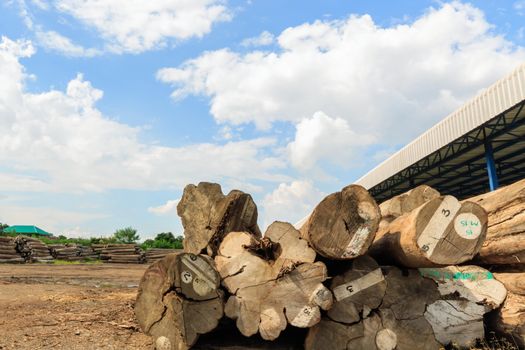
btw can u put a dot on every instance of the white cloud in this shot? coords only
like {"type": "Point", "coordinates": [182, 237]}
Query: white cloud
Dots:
{"type": "Point", "coordinates": [136, 25]}
{"type": "Point", "coordinates": [263, 39]}
{"type": "Point", "coordinates": [54, 41]}
{"type": "Point", "coordinates": [392, 81]}
{"type": "Point", "coordinates": [290, 202]}
{"type": "Point", "coordinates": [325, 139]}
{"type": "Point", "coordinates": [48, 219]}
{"type": "Point", "coordinates": [519, 6]}
{"type": "Point", "coordinates": [60, 141]}
{"type": "Point", "coordinates": [168, 208]}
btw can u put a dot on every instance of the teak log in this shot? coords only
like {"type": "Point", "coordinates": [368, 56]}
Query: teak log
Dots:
{"type": "Point", "coordinates": [178, 299]}
{"type": "Point", "coordinates": [397, 323]}
{"type": "Point", "coordinates": [357, 291]}
{"type": "Point", "coordinates": [343, 225]}
{"type": "Point", "coordinates": [467, 293]}
{"type": "Point", "coordinates": [442, 231]}
{"type": "Point", "coordinates": [509, 320]}
{"type": "Point", "coordinates": [505, 242]}
{"type": "Point", "coordinates": [273, 281]}
{"type": "Point", "coordinates": [406, 202]}
{"type": "Point", "coordinates": [208, 215]}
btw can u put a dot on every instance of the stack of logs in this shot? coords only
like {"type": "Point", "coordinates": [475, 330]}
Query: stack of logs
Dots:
{"type": "Point", "coordinates": [154, 254]}
{"type": "Point", "coordinates": [32, 249]}
{"type": "Point", "coordinates": [8, 253]}
{"type": "Point", "coordinates": [416, 272]}
{"type": "Point", "coordinates": [72, 252]}
{"type": "Point", "coordinates": [122, 254]}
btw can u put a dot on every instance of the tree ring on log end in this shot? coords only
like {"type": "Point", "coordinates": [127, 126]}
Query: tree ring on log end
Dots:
{"type": "Point", "coordinates": [449, 232]}
{"type": "Point", "coordinates": [178, 299]}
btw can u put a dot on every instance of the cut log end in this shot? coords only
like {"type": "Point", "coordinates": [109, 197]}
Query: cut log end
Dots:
{"type": "Point", "coordinates": [449, 232]}
{"type": "Point", "coordinates": [208, 215]}
{"type": "Point", "coordinates": [178, 299]}
{"type": "Point", "coordinates": [272, 287]}
{"type": "Point", "coordinates": [343, 225]}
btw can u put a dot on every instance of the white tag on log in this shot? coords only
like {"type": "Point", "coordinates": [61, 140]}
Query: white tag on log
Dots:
{"type": "Point", "coordinates": [438, 223]}
{"type": "Point", "coordinates": [467, 225]}
{"type": "Point", "coordinates": [305, 316]}
{"type": "Point", "coordinates": [186, 277]}
{"type": "Point", "coordinates": [350, 288]}
{"type": "Point", "coordinates": [196, 268]}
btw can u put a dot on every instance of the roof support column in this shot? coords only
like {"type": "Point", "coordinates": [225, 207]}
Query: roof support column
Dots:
{"type": "Point", "coordinates": [491, 166]}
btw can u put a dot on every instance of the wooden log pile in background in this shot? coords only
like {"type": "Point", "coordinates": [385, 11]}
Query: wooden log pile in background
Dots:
{"type": "Point", "coordinates": [122, 254]}
{"type": "Point", "coordinates": [154, 254]}
{"type": "Point", "coordinates": [32, 249]}
{"type": "Point", "coordinates": [8, 252]}
{"type": "Point", "coordinates": [72, 252]}
{"type": "Point", "coordinates": [353, 274]}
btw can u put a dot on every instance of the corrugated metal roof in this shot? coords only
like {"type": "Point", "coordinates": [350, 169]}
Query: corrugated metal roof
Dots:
{"type": "Point", "coordinates": [496, 99]}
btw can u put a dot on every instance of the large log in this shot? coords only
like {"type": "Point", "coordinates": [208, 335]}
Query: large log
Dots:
{"type": "Point", "coordinates": [178, 299]}
{"type": "Point", "coordinates": [273, 281]}
{"type": "Point", "coordinates": [509, 320]}
{"type": "Point", "coordinates": [397, 323]}
{"type": "Point", "coordinates": [442, 231]}
{"type": "Point", "coordinates": [208, 215]}
{"type": "Point", "coordinates": [357, 291]}
{"type": "Point", "coordinates": [467, 294]}
{"type": "Point", "coordinates": [505, 242]}
{"type": "Point", "coordinates": [343, 225]}
{"type": "Point", "coordinates": [406, 202]}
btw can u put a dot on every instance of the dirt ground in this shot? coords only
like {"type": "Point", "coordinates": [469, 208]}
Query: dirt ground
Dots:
{"type": "Point", "coordinates": [70, 307]}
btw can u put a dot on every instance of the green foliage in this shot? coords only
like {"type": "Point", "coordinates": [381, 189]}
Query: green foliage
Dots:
{"type": "Point", "coordinates": [2, 227]}
{"type": "Point", "coordinates": [126, 235]}
{"type": "Point", "coordinates": [163, 240]}
{"type": "Point", "coordinates": [81, 241]}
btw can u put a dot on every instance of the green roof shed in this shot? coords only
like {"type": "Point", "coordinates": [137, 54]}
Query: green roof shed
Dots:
{"type": "Point", "coordinates": [27, 230]}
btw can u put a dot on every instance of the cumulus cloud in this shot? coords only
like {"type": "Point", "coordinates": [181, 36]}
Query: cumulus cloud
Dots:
{"type": "Point", "coordinates": [136, 25]}
{"type": "Point", "coordinates": [519, 6]}
{"type": "Point", "coordinates": [46, 218]}
{"type": "Point", "coordinates": [263, 39]}
{"type": "Point", "coordinates": [54, 41]}
{"type": "Point", "coordinates": [290, 202]}
{"type": "Point", "coordinates": [321, 138]}
{"type": "Point", "coordinates": [60, 141]}
{"type": "Point", "coordinates": [168, 208]}
{"type": "Point", "coordinates": [393, 81]}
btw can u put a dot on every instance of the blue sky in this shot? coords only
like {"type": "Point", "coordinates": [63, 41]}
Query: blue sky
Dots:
{"type": "Point", "coordinates": [108, 108]}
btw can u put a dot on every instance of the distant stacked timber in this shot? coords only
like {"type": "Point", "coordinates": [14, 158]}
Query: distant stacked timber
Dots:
{"type": "Point", "coordinates": [122, 253]}
{"type": "Point", "coordinates": [72, 252]}
{"type": "Point", "coordinates": [8, 253]}
{"type": "Point", "coordinates": [32, 249]}
{"type": "Point", "coordinates": [155, 254]}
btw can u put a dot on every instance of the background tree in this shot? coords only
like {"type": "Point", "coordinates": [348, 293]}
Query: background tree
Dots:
{"type": "Point", "coordinates": [2, 227]}
{"type": "Point", "coordinates": [163, 240]}
{"type": "Point", "coordinates": [126, 235]}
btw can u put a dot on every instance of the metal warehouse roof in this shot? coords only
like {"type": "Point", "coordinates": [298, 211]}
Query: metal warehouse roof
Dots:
{"type": "Point", "coordinates": [482, 140]}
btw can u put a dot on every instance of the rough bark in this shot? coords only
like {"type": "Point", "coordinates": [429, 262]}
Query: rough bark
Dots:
{"type": "Point", "coordinates": [342, 226]}
{"type": "Point", "coordinates": [273, 281]}
{"type": "Point", "coordinates": [505, 242]}
{"type": "Point", "coordinates": [442, 231]}
{"type": "Point", "coordinates": [406, 202]}
{"type": "Point", "coordinates": [467, 293]}
{"type": "Point", "coordinates": [509, 320]}
{"type": "Point", "coordinates": [208, 215]}
{"type": "Point", "coordinates": [178, 299]}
